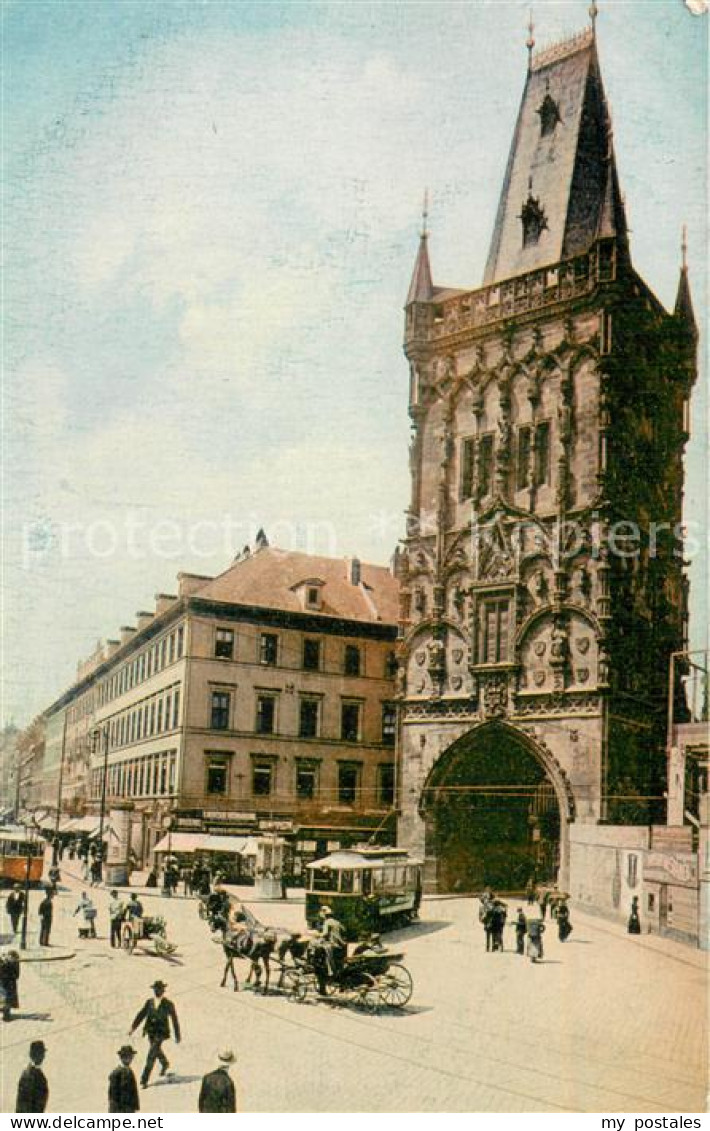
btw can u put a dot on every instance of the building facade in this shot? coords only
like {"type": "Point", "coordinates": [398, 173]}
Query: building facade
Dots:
{"type": "Point", "coordinates": [542, 587]}
{"type": "Point", "coordinates": [259, 699]}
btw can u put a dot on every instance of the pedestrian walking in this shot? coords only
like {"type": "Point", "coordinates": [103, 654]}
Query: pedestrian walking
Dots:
{"type": "Point", "coordinates": [32, 1087]}
{"type": "Point", "coordinates": [218, 1093]}
{"type": "Point", "coordinates": [157, 1016]}
{"type": "Point", "coordinates": [95, 871]}
{"type": "Point", "coordinates": [122, 1086]}
{"type": "Point", "coordinates": [564, 927]}
{"type": "Point", "coordinates": [543, 901]}
{"type": "Point", "coordinates": [530, 891]}
{"type": "Point", "coordinates": [116, 911]}
{"type": "Point", "coordinates": [536, 929]}
{"type": "Point", "coordinates": [9, 977]}
{"type": "Point", "coordinates": [485, 917]}
{"type": "Point", "coordinates": [87, 923]}
{"type": "Point", "coordinates": [521, 929]}
{"type": "Point", "coordinates": [54, 876]}
{"type": "Point", "coordinates": [634, 925]}
{"type": "Point", "coordinates": [15, 905]}
{"type": "Point", "coordinates": [46, 915]}
{"type": "Point", "coordinates": [499, 914]}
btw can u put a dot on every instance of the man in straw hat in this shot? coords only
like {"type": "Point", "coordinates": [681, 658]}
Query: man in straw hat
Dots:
{"type": "Point", "coordinates": [122, 1086]}
{"type": "Point", "coordinates": [32, 1089]}
{"type": "Point", "coordinates": [218, 1093]}
{"type": "Point", "coordinates": [157, 1014]}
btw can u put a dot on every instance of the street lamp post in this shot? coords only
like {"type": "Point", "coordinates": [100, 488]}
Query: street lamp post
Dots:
{"type": "Point", "coordinates": [26, 903]}
{"type": "Point", "coordinates": [102, 816]}
{"type": "Point", "coordinates": [55, 850]}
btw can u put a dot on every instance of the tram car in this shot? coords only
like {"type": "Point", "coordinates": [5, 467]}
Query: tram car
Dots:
{"type": "Point", "coordinates": [15, 852]}
{"type": "Point", "coordinates": [368, 889]}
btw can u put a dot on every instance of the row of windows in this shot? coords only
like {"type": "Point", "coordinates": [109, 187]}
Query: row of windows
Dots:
{"type": "Point", "coordinates": [151, 660]}
{"type": "Point", "coordinates": [155, 715]}
{"type": "Point", "coordinates": [309, 716]}
{"type": "Point", "coordinates": [273, 652]}
{"type": "Point", "coordinates": [522, 452]}
{"type": "Point", "coordinates": [305, 783]}
{"type": "Point", "coordinates": [150, 776]}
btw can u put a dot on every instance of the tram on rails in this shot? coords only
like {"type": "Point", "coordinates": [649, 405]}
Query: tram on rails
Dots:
{"type": "Point", "coordinates": [368, 889]}
{"type": "Point", "coordinates": [17, 853]}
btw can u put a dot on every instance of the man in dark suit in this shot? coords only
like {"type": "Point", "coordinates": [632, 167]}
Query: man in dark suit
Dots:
{"type": "Point", "coordinates": [32, 1089]}
{"type": "Point", "coordinates": [122, 1087]}
{"type": "Point", "coordinates": [218, 1093]}
{"type": "Point", "coordinates": [15, 905]}
{"type": "Point", "coordinates": [157, 1014]}
{"type": "Point", "coordinates": [46, 914]}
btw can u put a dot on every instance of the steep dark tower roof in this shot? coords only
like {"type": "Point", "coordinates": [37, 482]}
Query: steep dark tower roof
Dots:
{"type": "Point", "coordinates": [421, 288]}
{"type": "Point", "coordinates": [683, 303]}
{"type": "Point", "coordinates": [561, 190]}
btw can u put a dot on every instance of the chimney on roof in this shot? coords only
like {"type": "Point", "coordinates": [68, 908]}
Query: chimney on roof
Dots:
{"type": "Point", "coordinates": [261, 540]}
{"type": "Point", "coordinates": [126, 632]}
{"type": "Point", "coordinates": [143, 619]}
{"type": "Point", "coordinates": [189, 583]}
{"type": "Point", "coordinates": [355, 571]}
{"type": "Point", "coordinates": [163, 601]}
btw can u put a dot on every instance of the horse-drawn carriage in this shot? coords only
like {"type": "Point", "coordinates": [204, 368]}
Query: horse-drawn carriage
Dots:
{"type": "Point", "coordinates": [149, 929]}
{"type": "Point", "coordinates": [371, 978]}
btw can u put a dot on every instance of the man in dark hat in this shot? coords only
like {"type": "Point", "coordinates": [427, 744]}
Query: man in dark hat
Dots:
{"type": "Point", "coordinates": [32, 1089]}
{"type": "Point", "coordinates": [9, 977]}
{"type": "Point", "coordinates": [122, 1086]}
{"type": "Point", "coordinates": [157, 1014]}
{"type": "Point", "coordinates": [218, 1093]}
{"type": "Point", "coordinates": [521, 929]}
{"type": "Point", "coordinates": [15, 905]}
{"type": "Point", "coordinates": [46, 914]}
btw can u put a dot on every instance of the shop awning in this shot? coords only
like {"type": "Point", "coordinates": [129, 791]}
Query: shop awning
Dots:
{"type": "Point", "coordinates": [204, 842]}
{"type": "Point", "coordinates": [85, 826]}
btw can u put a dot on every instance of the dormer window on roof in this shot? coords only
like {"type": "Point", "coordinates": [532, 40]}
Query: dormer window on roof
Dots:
{"type": "Point", "coordinates": [534, 220]}
{"type": "Point", "coordinates": [310, 592]}
{"type": "Point", "coordinates": [549, 115]}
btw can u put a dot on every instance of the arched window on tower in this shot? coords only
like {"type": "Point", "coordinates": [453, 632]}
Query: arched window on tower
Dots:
{"type": "Point", "coordinates": [533, 219]}
{"type": "Point", "coordinates": [549, 113]}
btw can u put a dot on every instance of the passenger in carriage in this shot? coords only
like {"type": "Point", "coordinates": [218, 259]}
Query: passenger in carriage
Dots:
{"type": "Point", "coordinates": [334, 943]}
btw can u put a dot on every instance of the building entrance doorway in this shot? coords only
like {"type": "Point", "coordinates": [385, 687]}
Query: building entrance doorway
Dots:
{"type": "Point", "coordinates": [492, 815]}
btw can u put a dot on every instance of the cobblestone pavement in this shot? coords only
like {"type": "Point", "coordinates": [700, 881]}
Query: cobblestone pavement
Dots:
{"type": "Point", "coordinates": [606, 1023]}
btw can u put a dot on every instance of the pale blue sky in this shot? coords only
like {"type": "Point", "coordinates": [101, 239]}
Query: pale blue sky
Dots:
{"type": "Point", "coordinates": [211, 216]}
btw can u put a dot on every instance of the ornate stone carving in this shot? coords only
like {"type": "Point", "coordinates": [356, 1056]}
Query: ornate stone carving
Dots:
{"type": "Point", "coordinates": [420, 658]}
{"type": "Point", "coordinates": [457, 654]}
{"type": "Point", "coordinates": [539, 588]}
{"type": "Point", "coordinates": [582, 675]}
{"type": "Point", "coordinates": [540, 648]}
{"type": "Point", "coordinates": [495, 695]}
{"type": "Point", "coordinates": [584, 644]}
{"type": "Point", "coordinates": [440, 709]}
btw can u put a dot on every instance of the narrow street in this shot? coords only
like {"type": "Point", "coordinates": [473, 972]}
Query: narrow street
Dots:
{"type": "Point", "coordinates": [606, 1023]}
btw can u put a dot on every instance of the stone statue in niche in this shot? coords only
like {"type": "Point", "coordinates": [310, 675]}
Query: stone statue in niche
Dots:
{"type": "Point", "coordinates": [539, 588]}
{"type": "Point", "coordinates": [437, 655]}
{"type": "Point", "coordinates": [582, 589]}
{"type": "Point", "coordinates": [459, 601]}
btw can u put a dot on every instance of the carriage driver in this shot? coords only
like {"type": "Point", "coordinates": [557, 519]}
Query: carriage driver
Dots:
{"type": "Point", "coordinates": [333, 940]}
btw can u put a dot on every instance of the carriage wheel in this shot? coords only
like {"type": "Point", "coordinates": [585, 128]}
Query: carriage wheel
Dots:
{"type": "Point", "coordinates": [396, 986]}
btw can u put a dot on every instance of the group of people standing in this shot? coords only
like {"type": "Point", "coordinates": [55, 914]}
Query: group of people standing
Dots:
{"type": "Point", "coordinates": [493, 914]}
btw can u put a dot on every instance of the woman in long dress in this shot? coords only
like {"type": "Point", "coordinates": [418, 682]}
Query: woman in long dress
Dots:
{"type": "Point", "coordinates": [536, 928]}
{"type": "Point", "coordinates": [564, 927]}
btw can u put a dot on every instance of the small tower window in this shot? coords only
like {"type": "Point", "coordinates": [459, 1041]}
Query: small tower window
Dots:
{"type": "Point", "coordinates": [549, 115]}
{"type": "Point", "coordinates": [534, 221]}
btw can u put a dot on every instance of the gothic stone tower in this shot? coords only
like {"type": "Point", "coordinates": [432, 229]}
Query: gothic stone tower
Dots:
{"type": "Point", "coordinates": [539, 602]}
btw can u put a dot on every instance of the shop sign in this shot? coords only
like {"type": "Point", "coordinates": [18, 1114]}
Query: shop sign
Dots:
{"type": "Point", "coordinates": [276, 826]}
{"type": "Point", "coordinates": [221, 815]}
{"type": "Point", "coordinates": [188, 823]}
{"type": "Point", "coordinates": [661, 867]}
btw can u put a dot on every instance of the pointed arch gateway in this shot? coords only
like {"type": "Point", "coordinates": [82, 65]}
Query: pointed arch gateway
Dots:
{"type": "Point", "coordinates": [497, 808]}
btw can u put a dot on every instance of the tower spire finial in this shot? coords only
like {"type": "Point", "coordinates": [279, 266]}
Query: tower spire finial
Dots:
{"type": "Point", "coordinates": [530, 41]}
{"type": "Point", "coordinates": [684, 247]}
{"type": "Point", "coordinates": [593, 13]}
{"type": "Point", "coordinates": [425, 214]}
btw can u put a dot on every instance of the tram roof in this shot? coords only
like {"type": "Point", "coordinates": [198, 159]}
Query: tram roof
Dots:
{"type": "Point", "coordinates": [365, 857]}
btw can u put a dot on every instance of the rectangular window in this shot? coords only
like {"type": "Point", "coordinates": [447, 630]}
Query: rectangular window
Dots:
{"type": "Point", "coordinates": [268, 649]}
{"type": "Point", "coordinates": [485, 458]}
{"type": "Point", "coordinates": [466, 463]}
{"type": "Point", "coordinates": [176, 708]}
{"type": "Point", "coordinates": [224, 643]}
{"type": "Point", "coordinates": [309, 718]}
{"type": "Point", "coordinates": [522, 458]}
{"type": "Point", "coordinates": [171, 647]}
{"type": "Point", "coordinates": [152, 718]}
{"type": "Point", "coordinates": [311, 654]}
{"type": "Point", "coordinates": [159, 721]}
{"type": "Point", "coordinates": [385, 783]}
{"type": "Point", "coordinates": [217, 775]}
{"type": "Point", "coordinates": [262, 774]}
{"type": "Point", "coordinates": [495, 623]}
{"type": "Point", "coordinates": [348, 783]}
{"type": "Point", "coordinates": [542, 453]}
{"type": "Point", "coordinates": [180, 641]}
{"type": "Point", "coordinates": [352, 659]}
{"type": "Point", "coordinates": [220, 710]}
{"type": "Point", "coordinates": [265, 714]}
{"type": "Point", "coordinates": [163, 652]}
{"type": "Point", "coordinates": [350, 722]}
{"type": "Point", "coordinates": [306, 780]}
{"type": "Point", "coordinates": [389, 723]}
